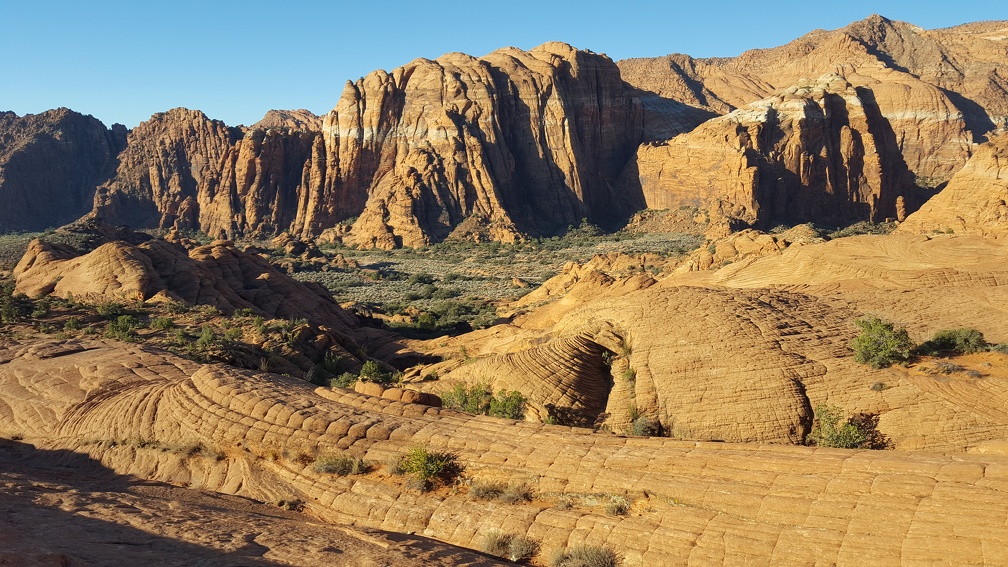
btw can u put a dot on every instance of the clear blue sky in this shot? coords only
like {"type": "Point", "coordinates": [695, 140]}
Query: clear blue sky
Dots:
{"type": "Point", "coordinates": [125, 60]}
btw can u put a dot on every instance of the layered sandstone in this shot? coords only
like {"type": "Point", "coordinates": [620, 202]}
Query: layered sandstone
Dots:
{"type": "Point", "coordinates": [817, 151]}
{"type": "Point", "coordinates": [973, 203]}
{"type": "Point", "coordinates": [50, 164]}
{"type": "Point", "coordinates": [518, 142]}
{"type": "Point", "coordinates": [708, 503]}
{"type": "Point", "coordinates": [940, 90]}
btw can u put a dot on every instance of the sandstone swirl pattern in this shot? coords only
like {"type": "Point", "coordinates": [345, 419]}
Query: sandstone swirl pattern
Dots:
{"type": "Point", "coordinates": [698, 503]}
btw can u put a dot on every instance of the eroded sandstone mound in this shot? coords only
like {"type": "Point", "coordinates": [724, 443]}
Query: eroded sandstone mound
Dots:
{"type": "Point", "coordinates": [817, 151]}
{"type": "Point", "coordinates": [974, 202]}
{"type": "Point", "coordinates": [50, 164]}
{"type": "Point", "coordinates": [690, 502]}
{"type": "Point", "coordinates": [217, 274]}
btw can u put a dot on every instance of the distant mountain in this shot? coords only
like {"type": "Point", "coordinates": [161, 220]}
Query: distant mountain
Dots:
{"type": "Point", "coordinates": [833, 127]}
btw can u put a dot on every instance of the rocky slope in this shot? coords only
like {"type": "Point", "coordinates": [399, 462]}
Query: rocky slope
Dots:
{"type": "Point", "coordinates": [940, 90]}
{"type": "Point", "coordinates": [818, 151]}
{"type": "Point", "coordinates": [50, 164]}
{"type": "Point", "coordinates": [974, 201]}
{"type": "Point", "coordinates": [139, 412]}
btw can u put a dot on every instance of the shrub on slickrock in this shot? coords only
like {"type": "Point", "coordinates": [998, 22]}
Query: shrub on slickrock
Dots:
{"type": "Point", "coordinates": [880, 343]}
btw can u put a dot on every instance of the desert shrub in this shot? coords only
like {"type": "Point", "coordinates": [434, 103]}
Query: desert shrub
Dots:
{"type": "Point", "coordinates": [341, 465]}
{"type": "Point", "coordinates": [332, 363]}
{"type": "Point", "coordinates": [630, 376]}
{"type": "Point", "coordinates": [643, 426]}
{"type": "Point", "coordinates": [878, 386]}
{"type": "Point", "coordinates": [344, 380]}
{"type": "Point", "coordinates": [428, 467]}
{"type": "Point", "coordinates": [830, 429]}
{"type": "Point", "coordinates": [585, 556]}
{"type": "Point", "coordinates": [516, 493]}
{"type": "Point", "coordinates": [617, 506]}
{"type": "Point", "coordinates": [1000, 347]}
{"type": "Point", "coordinates": [470, 400]}
{"type": "Point", "coordinates": [880, 344]}
{"type": "Point", "coordinates": [486, 490]}
{"type": "Point", "coordinates": [207, 338]}
{"type": "Point", "coordinates": [962, 341]}
{"type": "Point", "coordinates": [291, 330]}
{"type": "Point", "coordinates": [371, 372]}
{"type": "Point", "coordinates": [513, 547]}
{"type": "Point", "coordinates": [72, 324]}
{"type": "Point", "coordinates": [122, 328]}
{"type": "Point", "coordinates": [110, 309]}
{"type": "Point", "coordinates": [946, 367]}
{"type": "Point", "coordinates": [507, 405]}
{"type": "Point", "coordinates": [14, 307]}
{"type": "Point", "coordinates": [162, 323]}
{"type": "Point", "coordinates": [41, 308]}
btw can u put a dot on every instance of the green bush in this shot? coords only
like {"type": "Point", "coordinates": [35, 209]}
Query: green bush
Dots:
{"type": "Point", "coordinates": [341, 465]}
{"type": "Point", "coordinates": [162, 323]}
{"type": "Point", "coordinates": [430, 467]}
{"type": "Point", "coordinates": [480, 400]}
{"type": "Point", "coordinates": [110, 309]}
{"type": "Point", "coordinates": [585, 556]}
{"type": "Point", "coordinates": [828, 431]}
{"type": "Point", "coordinates": [507, 405]}
{"type": "Point", "coordinates": [122, 328]}
{"type": "Point", "coordinates": [618, 506]}
{"type": "Point", "coordinates": [371, 372]}
{"type": "Point", "coordinates": [880, 344]}
{"type": "Point", "coordinates": [961, 341]}
{"type": "Point", "coordinates": [14, 307]}
{"type": "Point", "coordinates": [345, 380]}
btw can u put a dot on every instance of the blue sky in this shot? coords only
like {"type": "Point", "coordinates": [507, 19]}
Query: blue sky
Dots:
{"type": "Point", "coordinates": [123, 61]}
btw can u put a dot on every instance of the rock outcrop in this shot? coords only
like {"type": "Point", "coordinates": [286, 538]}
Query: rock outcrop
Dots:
{"type": "Point", "coordinates": [217, 274]}
{"type": "Point", "coordinates": [940, 90]}
{"type": "Point", "coordinates": [817, 151]}
{"type": "Point", "coordinates": [518, 142]}
{"type": "Point", "coordinates": [974, 202]}
{"type": "Point", "coordinates": [129, 408]}
{"type": "Point", "coordinates": [50, 164]}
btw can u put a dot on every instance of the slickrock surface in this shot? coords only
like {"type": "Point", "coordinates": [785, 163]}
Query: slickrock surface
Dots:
{"type": "Point", "coordinates": [819, 150]}
{"type": "Point", "coordinates": [697, 503]}
{"type": "Point", "coordinates": [973, 203]}
{"type": "Point", "coordinates": [746, 352]}
{"type": "Point", "coordinates": [940, 90]}
{"type": "Point", "coordinates": [50, 164]}
{"type": "Point", "coordinates": [62, 508]}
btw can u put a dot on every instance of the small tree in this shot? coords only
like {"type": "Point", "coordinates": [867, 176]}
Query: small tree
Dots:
{"type": "Point", "coordinates": [880, 344]}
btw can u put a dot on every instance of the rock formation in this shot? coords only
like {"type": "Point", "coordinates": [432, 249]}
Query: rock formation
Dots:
{"type": "Point", "coordinates": [521, 142]}
{"type": "Point", "coordinates": [217, 274]}
{"type": "Point", "coordinates": [940, 90]}
{"type": "Point", "coordinates": [50, 164]}
{"type": "Point", "coordinates": [817, 151]}
{"type": "Point", "coordinates": [127, 408]}
{"type": "Point", "coordinates": [974, 202]}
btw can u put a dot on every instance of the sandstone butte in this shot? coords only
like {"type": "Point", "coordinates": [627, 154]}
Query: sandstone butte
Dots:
{"type": "Point", "coordinates": [836, 126]}
{"type": "Point", "coordinates": [137, 453]}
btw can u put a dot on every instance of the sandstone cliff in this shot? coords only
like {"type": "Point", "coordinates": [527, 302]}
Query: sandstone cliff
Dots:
{"type": "Point", "coordinates": [818, 151]}
{"type": "Point", "coordinates": [940, 90]}
{"type": "Point", "coordinates": [50, 164]}
{"type": "Point", "coordinates": [519, 142]}
{"type": "Point", "coordinates": [973, 203]}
